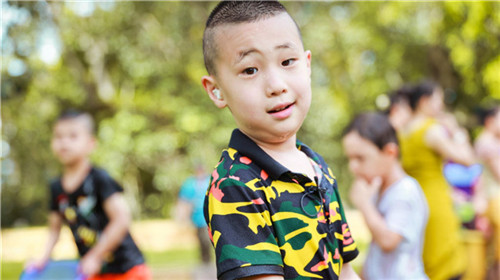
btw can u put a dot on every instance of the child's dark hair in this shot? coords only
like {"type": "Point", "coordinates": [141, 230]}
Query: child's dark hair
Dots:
{"type": "Point", "coordinates": [415, 93]}
{"type": "Point", "coordinates": [231, 12]}
{"type": "Point", "coordinates": [485, 113]}
{"type": "Point", "coordinates": [398, 96]}
{"type": "Point", "coordinates": [74, 114]}
{"type": "Point", "coordinates": [374, 127]}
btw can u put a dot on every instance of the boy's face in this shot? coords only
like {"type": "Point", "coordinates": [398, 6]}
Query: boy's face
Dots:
{"type": "Point", "coordinates": [495, 123]}
{"type": "Point", "coordinates": [400, 114]}
{"type": "Point", "coordinates": [365, 159]}
{"type": "Point", "coordinates": [72, 141]}
{"type": "Point", "coordinates": [434, 103]}
{"type": "Point", "coordinates": [263, 74]}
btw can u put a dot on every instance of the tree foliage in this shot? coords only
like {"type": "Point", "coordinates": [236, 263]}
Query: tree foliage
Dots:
{"type": "Point", "coordinates": [136, 67]}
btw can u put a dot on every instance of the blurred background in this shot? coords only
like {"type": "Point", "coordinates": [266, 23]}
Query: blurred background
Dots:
{"type": "Point", "coordinates": [136, 67]}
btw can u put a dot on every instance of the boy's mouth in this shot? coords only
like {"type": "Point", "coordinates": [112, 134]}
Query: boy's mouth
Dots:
{"type": "Point", "coordinates": [280, 108]}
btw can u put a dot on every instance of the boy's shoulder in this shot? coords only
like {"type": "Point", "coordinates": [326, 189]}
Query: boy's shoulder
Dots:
{"type": "Point", "coordinates": [99, 173]}
{"type": "Point", "coordinates": [407, 189]}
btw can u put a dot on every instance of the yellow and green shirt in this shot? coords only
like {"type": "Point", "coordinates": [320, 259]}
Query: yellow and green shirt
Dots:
{"type": "Point", "coordinates": [265, 219]}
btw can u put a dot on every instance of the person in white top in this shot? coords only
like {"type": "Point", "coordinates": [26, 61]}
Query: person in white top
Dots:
{"type": "Point", "coordinates": [391, 202]}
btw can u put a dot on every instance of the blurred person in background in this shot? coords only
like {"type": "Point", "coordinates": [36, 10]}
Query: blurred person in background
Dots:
{"type": "Point", "coordinates": [190, 208]}
{"type": "Point", "coordinates": [431, 138]}
{"type": "Point", "coordinates": [92, 204]}
{"type": "Point", "coordinates": [391, 202]}
{"type": "Point", "coordinates": [399, 111]}
{"type": "Point", "coordinates": [487, 147]}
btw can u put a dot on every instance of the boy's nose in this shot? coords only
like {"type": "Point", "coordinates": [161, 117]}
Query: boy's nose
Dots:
{"type": "Point", "coordinates": [275, 83]}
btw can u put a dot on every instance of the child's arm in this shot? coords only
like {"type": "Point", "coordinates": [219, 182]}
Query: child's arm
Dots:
{"type": "Point", "coordinates": [456, 148]}
{"type": "Point", "coordinates": [55, 223]}
{"type": "Point", "coordinates": [361, 196]}
{"type": "Point", "coordinates": [493, 163]}
{"type": "Point", "coordinates": [118, 214]}
{"type": "Point", "coordinates": [183, 210]}
{"type": "Point", "coordinates": [347, 273]}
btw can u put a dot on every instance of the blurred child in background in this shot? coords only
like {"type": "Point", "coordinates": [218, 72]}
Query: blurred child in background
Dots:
{"type": "Point", "coordinates": [431, 138]}
{"type": "Point", "coordinates": [487, 147]}
{"type": "Point", "coordinates": [190, 207]}
{"type": "Point", "coordinates": [392, 203]}
{"type": "Point", "coordinates": [399, 111]}
{"type": "Point", "coordinates": [92, 204]}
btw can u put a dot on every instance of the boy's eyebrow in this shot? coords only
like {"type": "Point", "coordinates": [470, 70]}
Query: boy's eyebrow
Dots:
{"type": "Point", "coordinates": [245, 53]}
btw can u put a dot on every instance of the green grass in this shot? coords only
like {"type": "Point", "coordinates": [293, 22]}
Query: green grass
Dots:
{"type": "Point", "coordinates": [179, 258]}
{"type": "Point", "coordinates": [11, 270]}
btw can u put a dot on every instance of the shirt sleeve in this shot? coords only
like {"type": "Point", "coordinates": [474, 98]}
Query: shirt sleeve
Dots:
{"type": "Point", "coordinates": [400, 216]}
{"type": "Point", "coordinates": [53, 206]}
{"type": "Point", "coordinates": [241, 231]}
{"type": "Point", "coordinates": [105, 185]}
{"type": "Point", "coordinates": [398, 221]}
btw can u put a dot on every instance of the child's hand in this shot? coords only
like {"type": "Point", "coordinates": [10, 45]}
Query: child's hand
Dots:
{"type": "Point", "coordinates": [38, 264]}
{"type": "Point", "coordinates": [90, 264]}
{"type": "Point", "coordinates": [449, 121]}
{"type": "Point", "coordinates": [362, 191]}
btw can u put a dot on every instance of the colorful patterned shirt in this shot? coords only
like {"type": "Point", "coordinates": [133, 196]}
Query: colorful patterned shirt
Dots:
{"type": "Point", "coordinates": [265, 219]}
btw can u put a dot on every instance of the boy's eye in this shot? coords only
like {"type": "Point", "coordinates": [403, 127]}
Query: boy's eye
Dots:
{"type": "Point", "coordinates": [288, 62]}
{"type": "Point", "coordinates": [250, 71]}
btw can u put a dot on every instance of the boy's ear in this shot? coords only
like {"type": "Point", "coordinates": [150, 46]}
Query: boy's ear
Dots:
{"type": "Point", "coordinates": [391, 149]}
{"type": "Point", "coordinates": [308, 61]}
{"type": "Point", "coordinates": [209, 84]}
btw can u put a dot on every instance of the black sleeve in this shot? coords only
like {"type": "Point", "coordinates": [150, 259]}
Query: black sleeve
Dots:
{"type": "Point", "coordinates": [105, 185]}
{"type": "Point", "coordinates": [55, 191]}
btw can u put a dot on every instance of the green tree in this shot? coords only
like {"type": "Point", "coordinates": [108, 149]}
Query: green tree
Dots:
{"type": "Point", "coordinates": [136, 67]}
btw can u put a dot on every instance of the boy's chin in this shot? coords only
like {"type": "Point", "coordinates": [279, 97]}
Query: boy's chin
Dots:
{"type": "Point", "coordinates": [280, 136]}
{"type": "Point", "coordinates": [68, 161]}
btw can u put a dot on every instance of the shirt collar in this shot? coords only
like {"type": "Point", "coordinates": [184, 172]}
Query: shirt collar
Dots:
{"type": "Point", "coordinates": [247, 147]}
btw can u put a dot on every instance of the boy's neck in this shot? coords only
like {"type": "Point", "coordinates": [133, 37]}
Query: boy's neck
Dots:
{"type": "Point", "coordinates": [74, 175]}
{"type": "Point", "coordinates": [77, 170]}
{"type": "Point", "coordinates": [288, 155]}
{"type": "Point", "coordinates": [77, 166]}
{"type": "Point", "coordinates": [275, 149]}
{"type": "Point", "coordinates": [394, 174]}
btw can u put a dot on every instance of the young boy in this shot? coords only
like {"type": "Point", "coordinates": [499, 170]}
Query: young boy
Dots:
{"type": "Point", "coordinates": [392, 203]}
{"type": "Point", "coordinates": [273, 207]}
{"type": "Point", "coordinates": [92, 205]}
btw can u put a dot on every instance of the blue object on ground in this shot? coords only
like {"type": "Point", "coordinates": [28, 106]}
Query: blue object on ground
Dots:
{"type": "Point", "coordinates": [54, 270]}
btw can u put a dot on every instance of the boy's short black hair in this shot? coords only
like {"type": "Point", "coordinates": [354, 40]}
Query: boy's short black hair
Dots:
{"type": "Point", "coordinates": [74, 114]}
{"type": "Point", "coordinates": [232, 12]}
{"type": "Point", "coordinates": [374, 127]}
{"type": "Point", "coordinates": [484, 114]}
{"type": "Point", "coordinates": [424, 88]}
